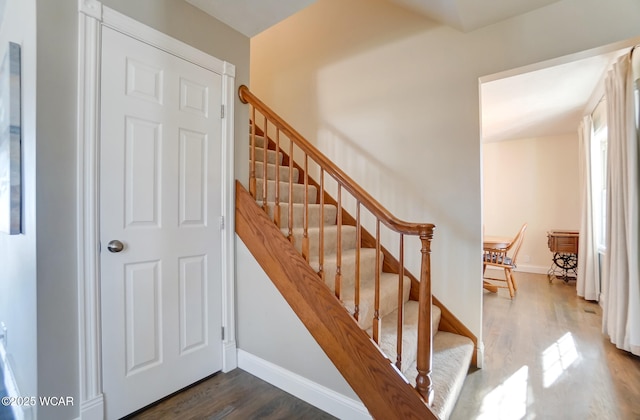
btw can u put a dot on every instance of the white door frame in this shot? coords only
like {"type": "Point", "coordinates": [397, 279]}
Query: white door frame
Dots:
{"type": "Point", "coordinates": [92, 16]}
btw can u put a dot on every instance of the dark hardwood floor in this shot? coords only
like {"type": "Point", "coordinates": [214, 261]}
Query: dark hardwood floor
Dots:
{"type": "Point", "coordinates": [546, 358]}
{"type": "Point", "coordinates": [233, 395]}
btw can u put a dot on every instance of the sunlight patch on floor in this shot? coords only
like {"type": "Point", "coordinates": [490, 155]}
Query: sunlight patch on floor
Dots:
{"type": "Point", "coordinates": [508, 400]}
{"type": "Point", "coordinates": [557, 358]}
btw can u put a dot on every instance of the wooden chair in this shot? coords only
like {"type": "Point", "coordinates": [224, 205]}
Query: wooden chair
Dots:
{"type": "Point", "coordinates": [505, 258]}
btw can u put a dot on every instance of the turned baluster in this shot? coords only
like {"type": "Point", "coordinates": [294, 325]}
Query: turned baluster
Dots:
{"type": "Point", "coordinates": [265, 159]}
{"type": "Point", "coordinates": [338, 283]}
{"type": "Point", "coordinates": [276, 209]}
{"type": "Point", "coordinates": [252, 171]}
{"type": "Point", "coordinates": [424, 384]}
{"type": "Point", "coordinates": [400, 305]}
{"type": "Point", "coordinates": [290, 224]}
{"type": "Point", "coordinates": [377, 325]}
{"type": "Point", "coordinates": [305, 215]}
{"type": "Point", "coordinates": [356, 297]}
{"type": "Point", "coordinates": [321, 233]}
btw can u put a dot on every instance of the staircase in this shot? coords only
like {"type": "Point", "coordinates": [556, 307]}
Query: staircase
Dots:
{"type": "Point", "coordinates": [349, 268]}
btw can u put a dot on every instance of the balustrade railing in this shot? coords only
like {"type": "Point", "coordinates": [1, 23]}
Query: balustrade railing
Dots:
{"type": "Point", "coordinates": [281, 138]}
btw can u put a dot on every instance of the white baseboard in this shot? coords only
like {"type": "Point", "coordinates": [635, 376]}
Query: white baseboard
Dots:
{"type": "Point", "coordinates": [20, 412]}
{"type": "Point", "coordinates": [92, 409]}
{"type": "Point", "coordinates": [480, 354]}
{"type": "Point", "coordinates": [535, 269]}
{"type": "Point", "coordinates": [317, 395]}
{"type": "Point", "coordinates": [229, 356]}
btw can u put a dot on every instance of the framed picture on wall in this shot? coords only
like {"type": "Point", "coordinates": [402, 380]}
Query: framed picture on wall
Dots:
{"type": "Point", "coordinates": [10, 142]}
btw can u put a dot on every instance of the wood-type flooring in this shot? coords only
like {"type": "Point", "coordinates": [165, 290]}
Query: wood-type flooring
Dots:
{"type": "Point", "coordinates": [546, 357]}
{"type": "Point", "coordinates": [232, 395]}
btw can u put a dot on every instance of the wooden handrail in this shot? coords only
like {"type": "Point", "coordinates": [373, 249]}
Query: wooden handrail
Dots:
{"type": "Point", "coordinates": [330, 168]}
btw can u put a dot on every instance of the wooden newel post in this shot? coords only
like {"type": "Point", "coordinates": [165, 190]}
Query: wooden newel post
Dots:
{"type": "Point", "coordinates": [424, 385]}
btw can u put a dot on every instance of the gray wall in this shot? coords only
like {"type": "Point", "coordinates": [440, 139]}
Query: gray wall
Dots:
{"type": "Point", "coordinates": [55, 183]}
{"type": "Point", "coordinates": [56, 204]}
{"type": "Point", "coordinates": [269, 329]}
{"type": "Point", "coordinates": [18, 252]}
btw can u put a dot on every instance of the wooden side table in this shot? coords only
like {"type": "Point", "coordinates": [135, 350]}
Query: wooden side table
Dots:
{"type": "Point", "coordinates": [564, 245]}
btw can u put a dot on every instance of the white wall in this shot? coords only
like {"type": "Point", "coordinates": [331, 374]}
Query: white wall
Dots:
{"type": "Point", "coordinates": [533, 181]}
{"type": "Point", "coordinates": [393, 97]}
{"type": "Point", "coordinates": [18, 252]}
{"type": "Point", "coordinates": [286, 340]}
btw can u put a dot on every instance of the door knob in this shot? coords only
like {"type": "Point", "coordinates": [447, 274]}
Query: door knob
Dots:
{"type": "Point", "coordinates": [115, 246]}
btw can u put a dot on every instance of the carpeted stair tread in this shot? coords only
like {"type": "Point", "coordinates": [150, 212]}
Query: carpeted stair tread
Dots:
{"type": "Point", "coordinates": [388, 338]}
{"type": "Point", "coordinates": [259, 141]}
{"type": "Point", "coordinates": [330, 234]}
{"type": "Point", "coordinates": [271, 156]}
{"type": "Point", "coordinates": [298, 192]}
{"type": "Point", "coordinates": [348, 267]}
{"type": "Point", "coordinates": [388, 299]}
{"type": "Point", "coordinates": [283, 172]}
{"type": "Point", "coordinates": [451, 359]}
{"type": "Point", "coordinates": [330, 212]}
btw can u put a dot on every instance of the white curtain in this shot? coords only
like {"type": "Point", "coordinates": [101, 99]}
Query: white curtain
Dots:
{"type": "Point", "coordinates": [621, 274]}
{"type": "Point", "coordinates": [588, 282]}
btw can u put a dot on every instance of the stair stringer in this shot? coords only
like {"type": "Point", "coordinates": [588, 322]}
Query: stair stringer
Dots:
{"type": "Point", "coordinates": [370, 374]}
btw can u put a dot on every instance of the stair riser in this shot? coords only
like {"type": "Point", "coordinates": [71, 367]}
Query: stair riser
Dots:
{"type": "Point", "coordinates": [271, 172]}
{"type": "Point", "coordinates": [452, 355]}
{"type": "Point", "coordinates": [409, 332]}
{"type": "Point", "coordinates": [259, 141]}
{"type": "Point", "coordinates": [298, 192]}
{"type": "Point", "coordinates": [348, 240]}
{"type": "Point", "coordinates": [348, 268]}
{"type": "Point", "coordinates": [298, 215]}
{"type": "Point", "coordinates": [271, 156]}
{"type": "Point", "coordinates": [388, 343]}
{"type": "Point", "coordinates": [388, 299]}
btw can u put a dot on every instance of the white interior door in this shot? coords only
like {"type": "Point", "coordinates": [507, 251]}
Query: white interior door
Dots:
{"type": "Point", "coordinates": [160, 197]}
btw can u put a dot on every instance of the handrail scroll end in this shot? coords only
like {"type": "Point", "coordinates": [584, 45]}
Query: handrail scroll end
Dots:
{"type": "Point", "coordinates": [241, 91]}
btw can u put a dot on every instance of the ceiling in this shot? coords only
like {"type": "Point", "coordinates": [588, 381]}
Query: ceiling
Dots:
{"type": "Point", "coordinates": [468, 15]}
{"type": "Point", "coordinates": [250, 17]}
{"type": "Point", "coordinates": [539, 103]}
{"type": "Point", "coordinates": [545, 102]}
